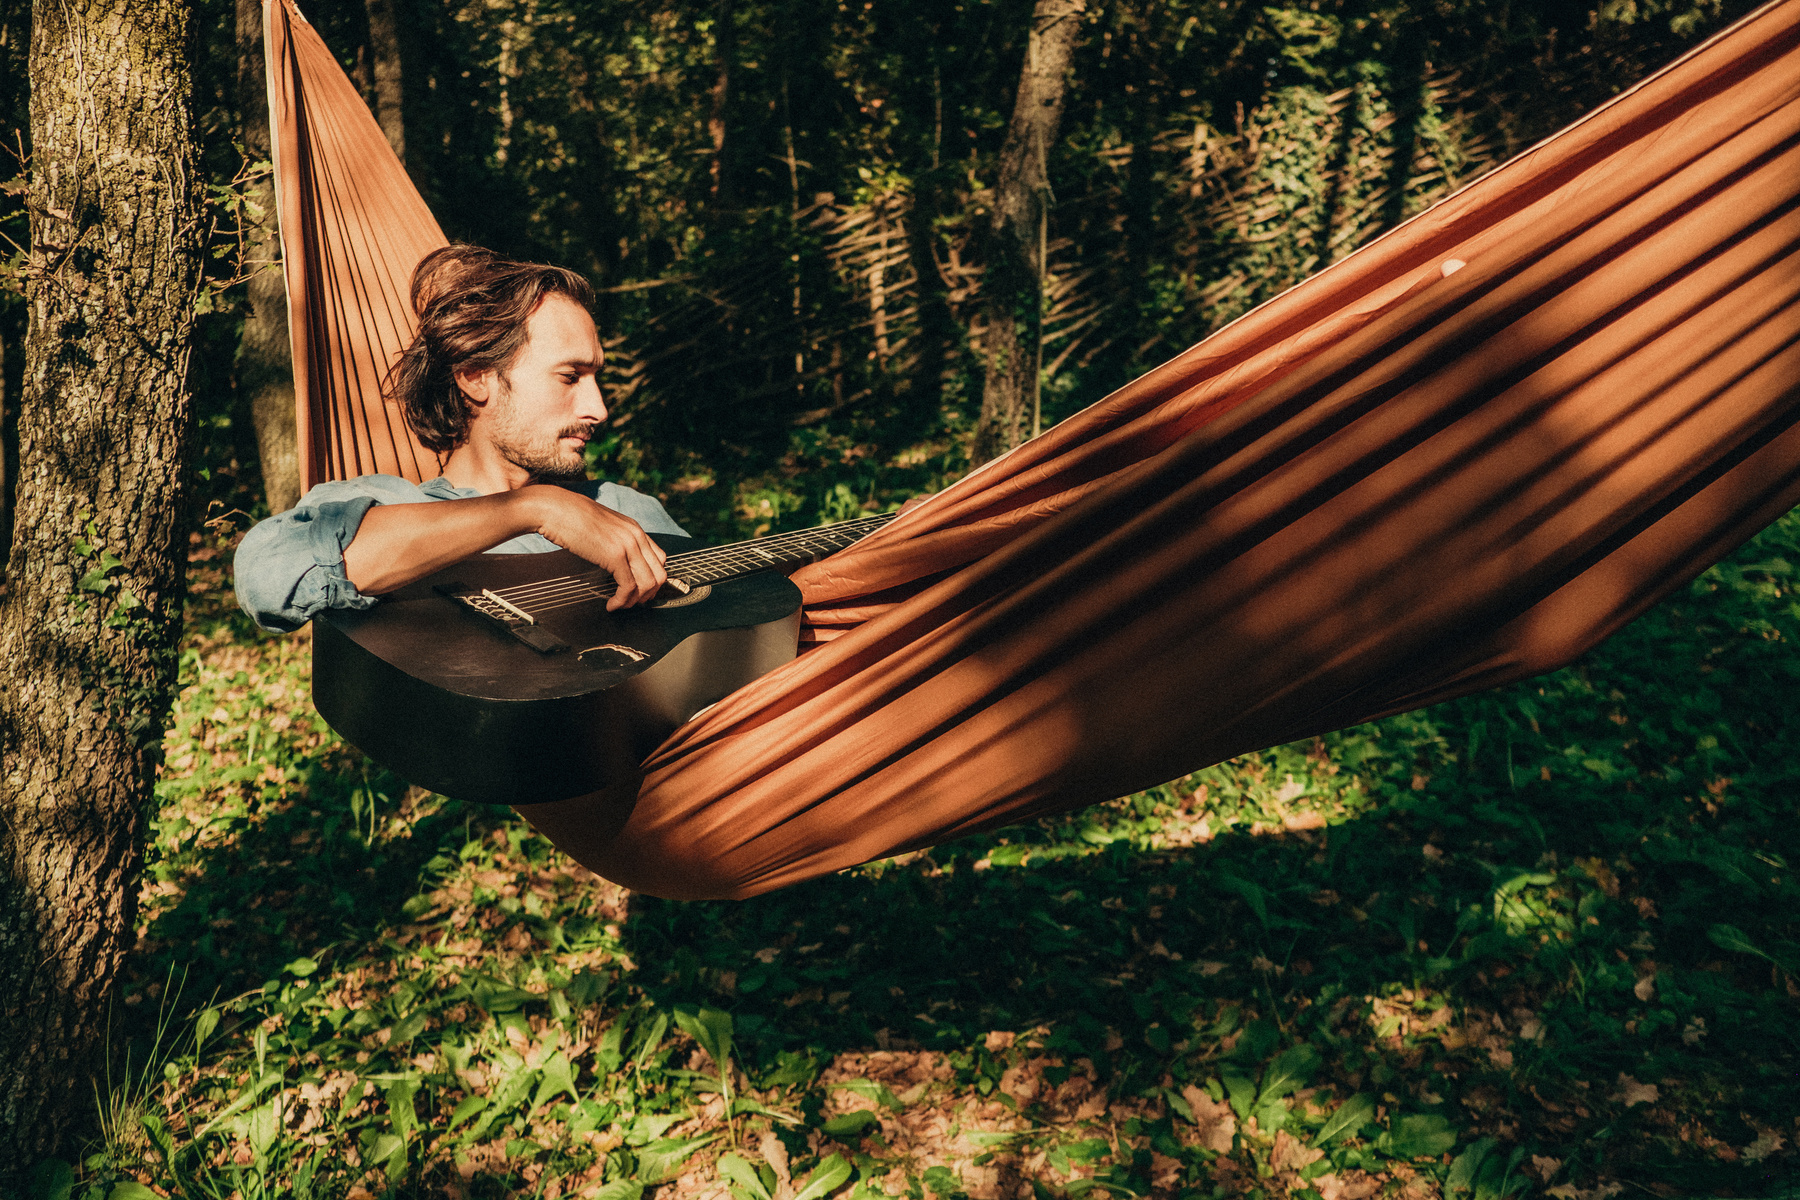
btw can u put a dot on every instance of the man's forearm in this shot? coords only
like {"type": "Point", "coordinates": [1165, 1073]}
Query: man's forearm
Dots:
{"type": "Point", "coordinates": [397, 544]}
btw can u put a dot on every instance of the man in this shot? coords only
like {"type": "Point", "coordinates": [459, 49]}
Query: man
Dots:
{"type": "Point", "coordinates": [501, 378]}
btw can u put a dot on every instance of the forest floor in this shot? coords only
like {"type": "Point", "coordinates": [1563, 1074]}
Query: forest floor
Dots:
{"type": "Point", "coordinates": [1544, 940]}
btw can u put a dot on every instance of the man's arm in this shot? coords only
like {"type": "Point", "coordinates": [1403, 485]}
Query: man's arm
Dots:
{"type": "Point", "coordinates": [399, 543]}
{"type": "Point", "coordinates": [293, 565]}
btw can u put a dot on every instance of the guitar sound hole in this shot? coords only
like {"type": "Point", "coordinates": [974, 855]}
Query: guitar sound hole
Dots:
{"type": "Point", "coordinates": [677, 600]}
{"type": "Point", "coordinates": [611, 654]}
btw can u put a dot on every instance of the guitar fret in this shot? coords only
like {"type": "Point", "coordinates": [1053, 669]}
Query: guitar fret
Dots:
{"type": "Point", "coordinates": [707, 566]}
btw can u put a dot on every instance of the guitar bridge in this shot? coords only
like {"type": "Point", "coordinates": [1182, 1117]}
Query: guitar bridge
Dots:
{"type": "Point", "coordinates": [483, 603]}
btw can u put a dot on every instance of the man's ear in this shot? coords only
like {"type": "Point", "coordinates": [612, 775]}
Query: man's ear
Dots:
{"type": "Point", "coordinates": [477, 386]}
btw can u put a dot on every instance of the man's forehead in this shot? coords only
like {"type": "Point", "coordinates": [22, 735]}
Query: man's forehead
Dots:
{"type": "Point", "coordinates": [562, 330]}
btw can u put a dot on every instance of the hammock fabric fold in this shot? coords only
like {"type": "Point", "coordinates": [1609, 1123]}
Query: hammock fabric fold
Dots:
{"type": "Point", "coordinates": [1459, 457]}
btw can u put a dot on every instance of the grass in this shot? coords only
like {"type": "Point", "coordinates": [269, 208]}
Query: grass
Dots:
{"type": "Point", "coordinates": [1538, 941]}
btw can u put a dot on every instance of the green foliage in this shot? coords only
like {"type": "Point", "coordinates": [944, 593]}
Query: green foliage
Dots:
{"type": "Point", "coordinates": [1548, 925]}
{"type": "Point", "coordinates": [1440, 950]}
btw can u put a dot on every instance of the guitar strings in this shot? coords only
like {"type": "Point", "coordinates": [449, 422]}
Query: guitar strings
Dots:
{"type": "Point", "coordinates": [579, 591]}
{"type": "Point", "coordinates": [698, 567]}
{"type": "Point", "coordinates": [732, 557]}
{"type": "Point", "coordinates": [565, 590]}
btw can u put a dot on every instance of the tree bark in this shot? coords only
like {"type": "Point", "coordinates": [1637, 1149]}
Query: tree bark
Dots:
{"type": "Point", "coordinates": [265, 364]}
{"type": "Point", "coordinates": [1012, 283]}
{"type": "Point", "coordinates": [719, 94]}
{"type": "Point", "coordinates": [89, 628]}
{"type": "Point", "coordinates": [384, 48]}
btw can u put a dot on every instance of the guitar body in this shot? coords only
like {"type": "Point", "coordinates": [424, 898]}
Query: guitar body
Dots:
{"type": "Point", "coordinates": [460, 704]}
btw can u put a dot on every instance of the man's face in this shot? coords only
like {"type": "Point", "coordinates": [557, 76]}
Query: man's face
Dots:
{"type": "Point", "coordinates": [543, 410]}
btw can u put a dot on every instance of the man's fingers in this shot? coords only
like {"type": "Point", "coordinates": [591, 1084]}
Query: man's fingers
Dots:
{"type": "Point", "coordinates": [639, 576]}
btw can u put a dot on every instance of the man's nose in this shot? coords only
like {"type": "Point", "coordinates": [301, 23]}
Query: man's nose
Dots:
{"type": "Point", "coordinates": [590, 405]}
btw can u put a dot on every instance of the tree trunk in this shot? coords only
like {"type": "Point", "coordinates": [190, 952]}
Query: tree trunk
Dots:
{"type": "Point", "coordinates": [1012, 283]}
{"type": "Point", "coordinates": [89, 629]}
{"type": "Point", "coordinates": [265, 364]}
{"type": "Point", "coordinates": [720, 93]}
{"type": "Point", "coordinates": [384, 48]}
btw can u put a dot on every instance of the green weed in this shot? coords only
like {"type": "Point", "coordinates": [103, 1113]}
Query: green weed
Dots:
{"type": "Point", "coordinates": [1541, 939]}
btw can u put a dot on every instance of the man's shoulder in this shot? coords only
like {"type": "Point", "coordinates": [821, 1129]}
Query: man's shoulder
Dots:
{"type": "Point", "coordinates": [385, 489]}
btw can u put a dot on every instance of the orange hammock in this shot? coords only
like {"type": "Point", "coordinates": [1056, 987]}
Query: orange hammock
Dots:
{"type": "Point", "coordinates": [1459, 457]}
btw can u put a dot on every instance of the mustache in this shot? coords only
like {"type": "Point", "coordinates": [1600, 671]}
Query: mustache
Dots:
{"type": "Point", "coordinates": [584, 431]}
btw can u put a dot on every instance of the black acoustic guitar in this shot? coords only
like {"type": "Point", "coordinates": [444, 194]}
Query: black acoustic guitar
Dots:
{"type": "Point", "coordinates": [504, 680]}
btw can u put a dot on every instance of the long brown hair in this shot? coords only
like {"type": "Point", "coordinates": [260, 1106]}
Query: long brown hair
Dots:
{"type": "Point", "coordinates": [473, 307]}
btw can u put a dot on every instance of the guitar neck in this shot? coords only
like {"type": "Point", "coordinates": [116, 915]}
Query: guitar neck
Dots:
{"type": "Point", "coordinates": [783, 550]}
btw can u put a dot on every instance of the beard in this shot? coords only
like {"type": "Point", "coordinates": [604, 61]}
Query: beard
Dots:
{"type": "Point", "coordinates": [544, 456]}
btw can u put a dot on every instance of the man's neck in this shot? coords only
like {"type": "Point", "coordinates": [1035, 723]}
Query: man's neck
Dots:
{"type": "Point", "coordinates": [486, 470]}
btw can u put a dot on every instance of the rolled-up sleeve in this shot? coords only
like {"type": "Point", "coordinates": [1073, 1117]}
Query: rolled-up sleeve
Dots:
{"type": "Point", "coordinates": [291, 566]}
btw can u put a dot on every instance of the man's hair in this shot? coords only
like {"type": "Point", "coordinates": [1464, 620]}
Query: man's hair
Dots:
{"type": "Point", "coordinates": [473, 306]}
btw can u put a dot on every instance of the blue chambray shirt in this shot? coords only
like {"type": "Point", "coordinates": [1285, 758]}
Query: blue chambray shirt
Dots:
{"type": "Point", "coordinates": [291, 565]}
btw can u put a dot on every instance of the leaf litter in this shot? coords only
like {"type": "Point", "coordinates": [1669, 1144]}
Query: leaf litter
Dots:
{"type": "Point", "coordinates": [1538, 941]}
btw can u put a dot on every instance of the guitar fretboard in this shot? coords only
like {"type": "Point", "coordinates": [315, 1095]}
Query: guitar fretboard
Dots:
{"type": "Point", "coordinates": [693, 568]}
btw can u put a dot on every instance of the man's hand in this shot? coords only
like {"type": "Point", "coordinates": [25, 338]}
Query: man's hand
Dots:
{"type": "Point", "coordinates": [603, 537]}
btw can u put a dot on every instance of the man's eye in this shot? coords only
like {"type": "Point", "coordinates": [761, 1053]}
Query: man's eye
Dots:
{"type": "Point", "coordinates": [570, 378]}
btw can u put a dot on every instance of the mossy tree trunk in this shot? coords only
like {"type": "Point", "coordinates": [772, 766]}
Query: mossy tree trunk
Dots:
{"type": "Point", "coordinates": [265, 365]}
{"type": "Point", "coordinates": [1013, 279]}
{"type": "Point", "coordinates": [90, 622]}
{"type": "Point", "coordinates": [384, 48]}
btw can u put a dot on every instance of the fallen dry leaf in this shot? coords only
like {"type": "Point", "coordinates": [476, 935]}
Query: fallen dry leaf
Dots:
{"type": "Point", "coordinates": [1632, 1092]}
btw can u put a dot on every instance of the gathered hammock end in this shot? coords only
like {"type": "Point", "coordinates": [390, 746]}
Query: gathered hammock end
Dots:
{"type": "Point", "coordinates": [1458, 457]}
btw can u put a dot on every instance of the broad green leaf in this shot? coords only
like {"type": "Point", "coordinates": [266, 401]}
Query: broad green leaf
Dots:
{"type": "Point", "coordinates": [1253, 895]}
{"type": "Point", "coordinates": [620, 1189]}
{"type": "Point", "coordinates": [989, 1140]}
{"type": "Point", "coordinates": [850, 1124]}
{"type": "Point", "coordinates": [467, 1109]}
{"type": "Point", "coordinates": [1271, 1116]}
{"type": "Point", "coordinates": [52, 1179]}
{"type": "Point", "coordinates": [1088, 1150]}
{"type": "Point", "coordinates": [740, 1172]}
{"type": "Point", "coordinates": [204, 1024]}
{"type": "Point", "coordinates": [941, 1180]}
{"type": "Point", "coordinates": [658, 1160]}
{"type": "Point", "coordinates": [1242, 1091]}
{"type": "Point", "coordinates": [1417, 1136]}
{"type": "Point", "coordinates": [1350, 1116]}
{"type": "Point", "coordinates": [456, 1056]}
{"type": "Point", "coordinates": [301, 967]}
{"type": "Point", "coordinates": [652, 1041]}
{"type": "Point", "coordinates": [401, 1114]}
{"type": "Point", "coordinates": [513, 1090]}
{"type": "Point", "coordinates": [587, 987]}
{"type": "Point", "coordinates": [710, 1027]}
{"type": "Point", "coordinates": [498, 998]}
{"type": "Point", "coordinates": [402, 1034]}
{"type": "Point", "coordinates": [1730, 937]}
{"type": "Point", "coordinates": [826, 1178]}
{"type": "Point", "coordinates": [1463, 1169]}
{"type": "Point", "coordinates": [388, 1151]}
{"type": "Point", "coordinates": [557, 1078]}
{"type": "Point", "coordinates": [131, 1190]}
{"type": "Point", "coordinates": [1009, 856]}
{"type": "Point", "coordinates": [650, 1126]}
{"type": "Point", "coordinates": [1289, 1072]}
{"type": "Point", "coordinates": [158, 1134]}
{"type": "Point", "coordinates": [262, 1127]}
{"type": "Point", "coordinates": [1081, 1187]}
{"type": "Point", "coordinates": [1178, 1104]}
{"type": "Point", "coordinates": [244, 1100]}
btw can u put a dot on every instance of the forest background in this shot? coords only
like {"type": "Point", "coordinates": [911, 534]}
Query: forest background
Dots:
{"type": "Point", "coordinates": [1413, 970]}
